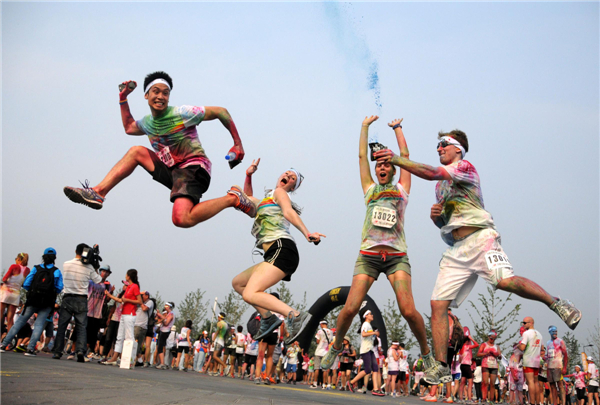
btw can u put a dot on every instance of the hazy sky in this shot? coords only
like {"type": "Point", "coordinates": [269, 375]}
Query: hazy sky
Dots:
{"type": "Point", "coordinates": [298, 78]}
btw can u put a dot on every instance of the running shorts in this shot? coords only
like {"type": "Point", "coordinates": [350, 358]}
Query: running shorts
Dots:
{"type": "Point", "coordinates": [346, 366]}
{"type": "Point", "coordinates": [369, 362]}
{"type": "Point", "coordinates": [229, 351]}
{"type": "Point", "coordinates": [533, 370]}
{"type": "Point", "coordinates": [580, 393]}
{"type": "Point", "coordinates": [190, 182]}
{"type": "Point", "coordinates": [456, 376]}
{"type": "Point", "coordinates": [317, 362]}
{"type": "Point", "coordinates": [250, 359]}
{"type": "Point", "coordinates": [270, 339]}
{"type": "Point", "coordinates": [218, 349]}
{"type": "Point", "coordinates": [402, 375]}
{"type": "Point", "coordinates": [465, 371]}
{"type": "Point", "coordinates": [554, 375]}
{"type": "Point", "coordinates": [493, 371]}
{"type": "Point", "coordinates": [162, 340]}
{"type": "Point", "coordinates": [183, 349]}
{"type": "Point", "coordinates": [592, 389]}
{"type": "Point", "coordinates": [374, 265]}
{"type": "Point", "coordinates": [283, 254]}
{"type": "Point", "coordinates": [393, 372]}
{"type": "Point", "coordinates": [542, 379]}
{"type": "Point", "coordinates": [468, 259]}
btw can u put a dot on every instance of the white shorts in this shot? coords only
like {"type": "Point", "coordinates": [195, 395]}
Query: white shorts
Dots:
{"type": "Point", "coordinates": [479, 254]}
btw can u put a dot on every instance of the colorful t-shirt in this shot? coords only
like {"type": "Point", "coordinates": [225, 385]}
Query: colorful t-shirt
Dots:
{"type": "Point", "coordinates": [96, 298]}
{"type": "Point", "coordinates": [532, 339]}
{"type": "Point", "coordinates": [466, 353]}
{"type": "Point", "coordinates": [489, 356]}
{"type": "Point", "coordinates": [240, 341]}
{"type": "Point", "coordinates": [251, 346]}
{"type": "Point", "coordinates": [325, 337]}
{"type": "Point", "coordinates": [270, 224]}
{"type": "Point", "coordinates": [174, 138]}
{"type": "Point", "coordinates": [131, 293]}
{"type": "Point", "coordinates": [462, 200]}
{"type": "Point", "coordinates": [554, 354]}
{"type": "Point", "coordinates": [292, 355]}
{"type": "Point", "coordinates": [384, 222]}
{"type": "Point", "coordinates": [221, 331]}
{"type": "Point", "coordinates": [579, 379]}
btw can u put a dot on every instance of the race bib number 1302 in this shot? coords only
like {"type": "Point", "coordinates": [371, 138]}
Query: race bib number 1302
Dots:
{"type": "Point", "coordinates": [496, 260]}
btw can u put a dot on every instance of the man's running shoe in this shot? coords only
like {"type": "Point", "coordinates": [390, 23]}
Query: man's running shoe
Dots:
{"type": "Point", "coordinates": [30, 353]}
{"type": "Point", "coordinates": [429, 398]}
{"type": "Point", "coordinates": [350, 387]}
{"type": "Point", "coordinates": [377, 393]}
{"type": "Point", "coordinates": [428, 360]}
{"type": "Point", "coordinates": [295, 325]}
{"type": "Point", "coordinates": [314, 386]}
{"type": "Point", "coordinates": [257, 381]}
{"type": "Point", "coordinates": [448, 400]}
{"type": "Point", "coordinates": [567, 312]}
{"type": "Point", "coordinates": [329, 358]}
{"type": "Point", "coordinates": [244, 203]}
{"type": "Point", "coordinates": [267, 326]}
{"type": "Point", "coordinates": [86, 196]}
{"type": "Point", "coordinates": [20, 349]}
{"type": "Point", "coordinates": [437, 374]}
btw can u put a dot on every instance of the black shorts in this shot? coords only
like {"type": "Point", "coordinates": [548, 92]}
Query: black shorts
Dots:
{"type": "Point", "coordinates": [401, 375]}
{"type": "Point", "coordinates": [150, 332]}
{"type": "Point", "coordinates": [25, 332]}
{"type": "Point", "coordinates": [190, 182]}
{"type": "Point", "coordinates": [283, 254]}
{"type": "Point", "coordinates": [542, 379]}
{"type": "Point", "coordinates": [239, 357]}
{"type": "Point", "coordinates": [250, 359]}
{"type": "Point", "coordinates": [162, 340]}
{"type": "Point", "coordinates": [270, 339]}
{"type": "Point", "coordinates": [465, 371]}
{"type": "Point", "coordinates": [580, 393]}
{"type": "Point", "coordinates": [592, 389]}
{"type": "Point", "coordinates": [229, 351]}
{"type": "Point", "coordinates": [346, 366]}
{"type": "Point", "coordinates": [183, 349]}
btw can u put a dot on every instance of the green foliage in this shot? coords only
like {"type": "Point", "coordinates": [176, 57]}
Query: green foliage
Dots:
{"type": "Point", "coordinates": [396, 328]}
{"type": "Point", "coordinates": [192, 307]}
{"type": "Point", "coordinates": [594, 341]}
{"type": "Point", "coordinates": [489, 317]}
{"type": "Point", "coordinates": [285, 295]}
{"type": "Point", "coordinates": [160, 304]}
{"type": "Point", "coordinates": [428, 332]}
{"type": "Point", "coordinates": [234, 307]}
{"type": "Point", "coordinates": [573, 351]}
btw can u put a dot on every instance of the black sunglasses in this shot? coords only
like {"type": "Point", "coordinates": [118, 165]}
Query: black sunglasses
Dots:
{"type": "Point", "coordinates": [442, 144]}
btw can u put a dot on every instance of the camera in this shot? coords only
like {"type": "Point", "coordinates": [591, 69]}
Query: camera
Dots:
{"type": "Point", "coordinates": [91, 256]}
{"type": "Point", "coordinates": [376, 147]}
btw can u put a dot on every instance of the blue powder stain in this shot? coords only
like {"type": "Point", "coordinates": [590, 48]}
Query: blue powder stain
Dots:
{"type": "Point", "coordinates": [373, 82]}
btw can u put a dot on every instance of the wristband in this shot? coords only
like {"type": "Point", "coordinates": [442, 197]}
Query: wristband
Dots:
{"type": "Point", "coordinates": [397, 126]}
{"type": "Point", "coordinates": [121, 102]}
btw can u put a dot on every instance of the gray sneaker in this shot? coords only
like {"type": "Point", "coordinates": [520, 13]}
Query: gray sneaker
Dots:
{"type": "Point", "coordinates": [428, 360]}
{"type": "Point", "coordinates": [295, 325]}
{"type": "Point", "coordinates": [437, 374]}
{"type": "Point", "coordinates": [86, 196]}
{"type": "Point", "coordinates": [329, 358]}
{"type": "Point", "coordinates": [244, 203]}
{"type": "Point", "coordinates": [567, 312]}
{"type": "Point", "coordinates": [267, 326]}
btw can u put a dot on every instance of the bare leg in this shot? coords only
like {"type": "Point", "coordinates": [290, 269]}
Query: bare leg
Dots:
{"type": "Point", "coordinates": [439, 328]}
{"type": "Point", "coordinates": [358, 290]}
{"type": "Point", "coordinates": [526, 288]}
{"type": "Point", "coordinates": [135, 156]}
{"type": "Point", "coordinates": [186, 214]}
{"type": "Point", "coordinates": [532, 384]}
{"type": "Point", "coordinates": [401, 283]}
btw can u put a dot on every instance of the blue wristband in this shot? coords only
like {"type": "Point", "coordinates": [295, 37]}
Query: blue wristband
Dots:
{"type": "Point", "coordinates": [397, 126]}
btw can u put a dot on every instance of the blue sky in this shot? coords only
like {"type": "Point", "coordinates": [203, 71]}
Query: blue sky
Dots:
{"type": "Point", "coordinates": [520, 79]}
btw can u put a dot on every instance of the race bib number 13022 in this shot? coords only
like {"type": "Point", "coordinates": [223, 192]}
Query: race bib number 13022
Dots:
{"type": "Point", "coordinates": [384, 217]}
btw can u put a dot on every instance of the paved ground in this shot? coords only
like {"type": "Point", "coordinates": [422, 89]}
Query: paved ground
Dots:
{"type": "Point", "coordinates": [41, 380]}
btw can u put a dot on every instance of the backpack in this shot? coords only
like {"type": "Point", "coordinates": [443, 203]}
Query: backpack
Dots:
{"type": "Point", "coordinates": [457, 338]}
{"type": "Point", "coordinates": [254, 324]}
{"type": "Point", "coordinates": [42, 293]}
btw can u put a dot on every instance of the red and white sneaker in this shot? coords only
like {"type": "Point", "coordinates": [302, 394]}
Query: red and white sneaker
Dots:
{"type": "Point", "coordinates": [244, 203]}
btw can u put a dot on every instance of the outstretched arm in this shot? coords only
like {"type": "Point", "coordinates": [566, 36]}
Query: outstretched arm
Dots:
{"type": "Point", "coordinates": [248, 182]}
{"type": "Point", "coordinates": [129, 124]}
{"type": "Point", "coordinates": [404, 174]}
{"type": "Point", "coordinates": [418, 169]}
{"type": "Point", "coordinates": [363, 155]}
{"type": "Point", "coordinates": [222, 115]}
{"type": "Point", "coordinates": [283, 200]}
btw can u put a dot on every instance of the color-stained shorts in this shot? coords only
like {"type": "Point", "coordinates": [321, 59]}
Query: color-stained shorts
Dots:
{"type": "Point", "coordinates": [477, 255]}
{"type": "Point", "coordinates": [374, 265]}
{"type": "Point", "coordinates": [191, 182]}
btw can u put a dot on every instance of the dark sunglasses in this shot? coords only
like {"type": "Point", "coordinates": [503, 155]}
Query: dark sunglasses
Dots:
{"type": "Point", "coordinates": [442, 144]}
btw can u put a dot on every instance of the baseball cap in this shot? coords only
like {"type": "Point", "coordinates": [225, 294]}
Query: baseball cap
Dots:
{"type": "Point", "coordinates": [50, 251]}
{"type": "Point", "coordinates": [106, 267]}
{"type": "Point", "coordinates": [590, 358]}
{"type": "Point", "coordinates": [323, 321]}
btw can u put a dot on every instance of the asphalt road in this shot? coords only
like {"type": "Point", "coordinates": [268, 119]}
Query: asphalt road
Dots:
{"type": "Point", "coordinates": [42, 380]}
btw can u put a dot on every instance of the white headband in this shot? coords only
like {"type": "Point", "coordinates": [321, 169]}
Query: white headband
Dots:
{"type": "Point", "coordinates": [299, 179]}
{"type": "Point", "coordinates": [367, 312]}
{"type": "Point", "coordinates": [156, 81]}
{"type": "Point", "coordinates": [454, 142]}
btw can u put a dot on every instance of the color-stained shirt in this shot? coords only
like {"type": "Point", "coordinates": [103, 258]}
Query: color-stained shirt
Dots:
{"type": "Point", "coordinates": [384, 222]}
{"type": "Point", "coordinates": [270, 224]}
{"type": "Point", "coordinates": [462, 200]}
{"type": "Point", "coordinates": [532, 339]}
{"type": "Point", "coordinates": [325, 337]}
{"type": "Point", "coordinates": [554, 354]}
{"type": "Point", "coordinates": [467, 353]}
{"type": "Point", "coordinates": [489, 356]}
{"type": "Point", "coordinates": [174, 137]}
{"type": "Point", "coordinates": [221, 331]}
{"type": "Point", "coordinates": [579, 379]}
{"type": "Point", "coordinates": [96, 298]}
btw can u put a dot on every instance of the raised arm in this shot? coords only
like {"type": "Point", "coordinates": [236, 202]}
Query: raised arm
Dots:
{"type": "Point", "coordinates": [248, 182]}
{"type": "Point", "coordinates": [418, 169]}
{"type": "Point", "coordinates": [222, 115]}
{"type": "Point", "coordinates": [129, 124]}
{"type": "Point", "coordinates": [404, 174]}
{"type": "Point", "coordinates": [363, 153]}
{"type": "Point", "coordinates": [283, 200]}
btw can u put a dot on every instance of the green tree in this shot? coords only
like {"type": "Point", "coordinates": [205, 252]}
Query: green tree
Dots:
{"type": "Point", "coordinates": [285, 295]}
{"type": "Point", "coordinates": [160, 304]}
{"type": "Point", "coordinates": [593, 342]}
{"type": "Point", "coordinates": [490, 315]}
{"type": "Point", "coordinates": [396, 328]}
{"type": "Point", "coordinates": [573, 351]}
{"type": "Point", "coordinates": [192, 307]}
{"type": "Point", "coordinates": [234, 307]}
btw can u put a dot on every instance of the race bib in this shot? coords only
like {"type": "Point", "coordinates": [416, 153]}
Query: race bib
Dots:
{"type": "Point", "coordinates": [165, 156]}
{"type": "Point", "coordinates": [550, 353]}
{"type": "Point", "coordinates": [384, 217]}
{"type": "Point", "coordinates": [496, 260]}
{"type": "Point", "coordinates": [492, 362]}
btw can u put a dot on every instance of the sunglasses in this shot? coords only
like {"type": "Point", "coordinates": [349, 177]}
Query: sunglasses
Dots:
{"type": "Point", "coordinates": [442, 144]}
